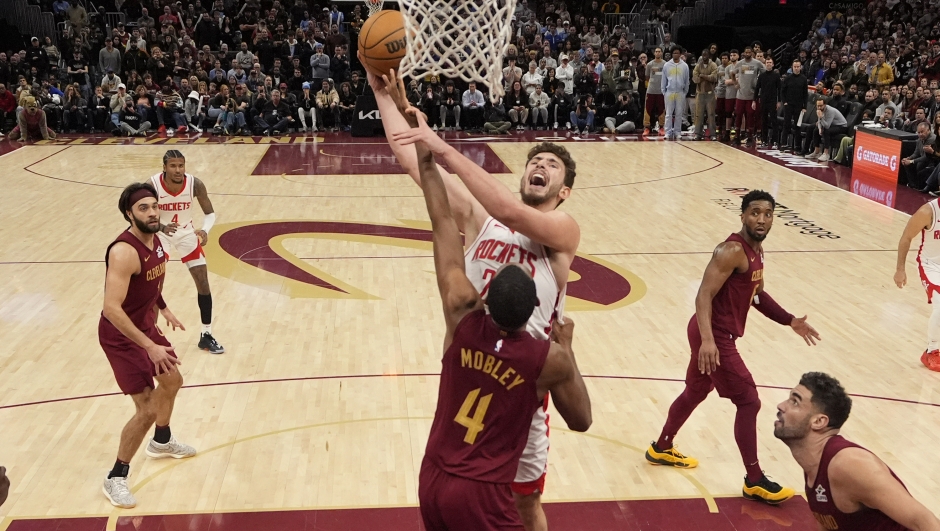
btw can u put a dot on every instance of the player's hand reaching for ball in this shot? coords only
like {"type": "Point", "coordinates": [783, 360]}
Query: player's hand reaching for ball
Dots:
{"type": "Point", "coordinates": [396, 89]}
{"type": "Point", "coordinates": [708, 359]}
{"type": "Point", "coordinates": [423, 134]}
{"type": "Point", "coordinates": [804, 330]}
{"type": "Point", "coordinates": [900, 278]}
{"type": "Point", "coordinates": [171, 319]}
{"type": "Point", "coordinates": [563, 332]}
{"type": "Point", "coordinates": [160, 356]}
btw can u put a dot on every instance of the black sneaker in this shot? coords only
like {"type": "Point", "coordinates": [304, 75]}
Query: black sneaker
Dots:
{"type": "Point", "coordinates": [207, 342]}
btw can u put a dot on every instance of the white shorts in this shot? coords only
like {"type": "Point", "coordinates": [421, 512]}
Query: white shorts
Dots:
{"type": "Point", "coordinates": [530, 476]}
{"type": "Point", "coordinates": [185, 242]}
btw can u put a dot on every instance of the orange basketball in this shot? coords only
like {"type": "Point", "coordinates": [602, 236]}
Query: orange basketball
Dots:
{"type": "Point", "coordinates": [382, 41]}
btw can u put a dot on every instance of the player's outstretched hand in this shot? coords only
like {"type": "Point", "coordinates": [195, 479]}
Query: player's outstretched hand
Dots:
{"type": "Point", "coordinates": [422, 133]}
{"type": "Point", "coordinates": [160, 356]}
{"type": "Point", "coordinates": [4, 484]}
{"type": "Point", "coordinates": [378, 86]}
{"type": "Point", "coordinates": [170, 229]}
{"type": "Point", "coordinates": [171, 319]}
{"type": "Point", "coordinates": [708, 359]}
{"type": "Point", "coordinates": [396, 89]}
{"type": "Point", "coordinates": [805, 330]}
{"type": "Point", "coordinates": [562, 332]}
{"type": "Point", "coordinates": [900, 278]}
{"type": "Point", "coordinates": [203, 237]}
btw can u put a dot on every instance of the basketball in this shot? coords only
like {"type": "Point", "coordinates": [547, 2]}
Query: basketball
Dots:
{"type": "Point", "coordinates": [382, 42]}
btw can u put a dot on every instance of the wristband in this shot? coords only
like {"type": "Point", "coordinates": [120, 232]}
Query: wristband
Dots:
{"type": "Point", "coordinates": [208, 222]}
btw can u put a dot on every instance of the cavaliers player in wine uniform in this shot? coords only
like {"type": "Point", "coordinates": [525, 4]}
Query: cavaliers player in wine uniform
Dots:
{"type": "Point", "coordinates": [494, 377]}
{"type": "Point", "coordinates": [502, 229]}
{"type": "Point", "coordinates": [925, 221]}
{"type": "Point", "coordinates": [136, 348]}
{"type": "Point", "coordinates": [733, 282]}
{"type": "Point", "coordinates": [847, 487]}
{"type": "Point", "coordinates": [177, 191]}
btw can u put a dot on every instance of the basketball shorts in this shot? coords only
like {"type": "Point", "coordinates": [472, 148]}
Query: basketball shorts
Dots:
{"type": "Point", "coordinates": [132, 367]}
{"type": "Point", "coordinates": [655, 106]}
{"type": "Point", "coordinates": [186, 244]}
{"type": "Point", "coordinates": [731, 379]}
{"type": "Point", "coordinates": [929, 277]}
{"type": "Point", "coordinates": [453, 503]}
{"type": "Point", "coordinates": [730, 104]}
{"type": "Point", "coordinates": [533, 464]}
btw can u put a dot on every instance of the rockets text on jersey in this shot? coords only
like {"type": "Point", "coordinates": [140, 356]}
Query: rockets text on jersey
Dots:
{"type": "Point", "coordinates": [175, 208]}
{"type": "Point", "coordinates": [497, 245]}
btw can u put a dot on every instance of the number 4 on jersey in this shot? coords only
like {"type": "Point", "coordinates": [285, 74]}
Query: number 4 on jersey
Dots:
{"type": "Point", "coordinates": [474, 425]}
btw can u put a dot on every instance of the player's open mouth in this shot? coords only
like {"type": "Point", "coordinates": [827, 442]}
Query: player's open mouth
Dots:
{"type": "Point", "coordinates": [537, 180]}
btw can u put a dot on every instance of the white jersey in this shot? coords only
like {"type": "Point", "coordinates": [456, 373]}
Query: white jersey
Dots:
{"type": "Point", "coordinates": [175, 208]}
{"type": "Point", "coordinates": [930, 238]}
{"type": "Point", "coordinates": [497, 245]}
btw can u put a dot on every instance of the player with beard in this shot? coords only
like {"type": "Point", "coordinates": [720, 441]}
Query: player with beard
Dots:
{"type": "Point", "coordinates": [134, 345]}
{"type": "Point", "coordinates": [500, 229]}
{"type": "Point", "coordinates": [847, 486]}
{"type": "Point", "coordinates": [733, 281]}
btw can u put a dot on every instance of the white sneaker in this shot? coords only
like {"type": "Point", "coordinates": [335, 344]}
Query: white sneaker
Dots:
{"type": "Point", "coordinates": [556, 125]}
{"type": "Point", "coordinates": [434, 128]}
{"type": "Point", "coordinates": [812, 156]}
{"type": "Point", "coordinates": [118, 493]}
{"type": "Point", "coordinates": [174, 449]}
{"type": "Point", "coordinates": [823, 158]}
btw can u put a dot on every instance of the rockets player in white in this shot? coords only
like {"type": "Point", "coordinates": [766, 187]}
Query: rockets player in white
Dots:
{"type": "Point", "coordinates": [176, 190]}
{"type": "Point", "coordinates": [499, 228]}
{"type": "Point", "coordinates": [926, 221]}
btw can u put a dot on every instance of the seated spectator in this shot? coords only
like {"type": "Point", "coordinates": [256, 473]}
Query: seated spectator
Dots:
{"type": "Point", "coordinates": [169, 106]}
{"type": "Point", "coordinates": [626, 114]}
{"type": "Point", "coordinates": [110, 82]}
{"type": "Point", "coordinates": [829, 124]}
{"type": "Point", "coordinates": [497, 119]}
{"type": "Point", "coordinates": [531, 79]}
{"type": "Point", "coordinates": [307, 108]}
{"type": "Point", "coordinates": [276, 116]}
{"type": "Point", "coordinates": [357, 85]}
{"type": "Point", "coordinates": [347, 104]}
{"type": "Point", "coordinates": [450, 105]}
{"type": "Point", "coordinates": [131, 122]}
{"type": "Point", "coordinates": [74, 109]}
{"type": "Point", "coordinates": [517, 105]}
{"type": "Point", "coordinates": [31, 123]}
{"type": "Point", "coordinates": [582, 118]}
{"type": "Point", "coordinates": [887, 120]}
{"type": "Point", "coordinates": [328, 105]}
{"type": "Point", "coordinates": [7, 107]}
{"type": "Point", "coordinates": [430, 105]}
{"type": "Point", "coordinates": [561, 105]}
{"type": "Point", "coordinates": [918, 167]}
{"type": "Point", "coordinates": [99, 111]}
{"type": "Point", "coordinates": [193, 110]}
{"type": "Point", "coordinates": [117, 103]}
{"type": "Point", "coordinates": [472, 103]}
{"type": "Point", "coordinates": [538, 102]}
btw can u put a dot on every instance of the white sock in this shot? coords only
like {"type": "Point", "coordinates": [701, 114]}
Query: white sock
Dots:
{"type": "Point", "coordinates": [933, 328]}
{"type": "Point", "coordinates": [207, 328]}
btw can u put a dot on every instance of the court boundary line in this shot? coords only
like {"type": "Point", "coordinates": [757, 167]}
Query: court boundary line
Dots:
{"type": "Point", "coordinates": [426, 374]}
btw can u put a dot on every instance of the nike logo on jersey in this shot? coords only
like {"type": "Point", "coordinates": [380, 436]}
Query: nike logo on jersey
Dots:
{"type": "Point", "coordinates": [146, 258]}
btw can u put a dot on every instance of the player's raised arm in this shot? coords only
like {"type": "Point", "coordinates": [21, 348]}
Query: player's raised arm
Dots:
{"type": "Point", "coordinates": [864, 481]}
{"type": "Point", "coordinates": [728, 257]}
{"type": "Point", "coordinates": [560, 377]}
{"type": "Point", "coordinates": [922, 219]}
{"type": "Point", "coordinates": [391, 99]}
{"type": "Point", "coordinates": [202, 196]}
{"type": "Point", "coordinates": [554, 229]}
{"type": "Point", "coordinates": [458, 295]}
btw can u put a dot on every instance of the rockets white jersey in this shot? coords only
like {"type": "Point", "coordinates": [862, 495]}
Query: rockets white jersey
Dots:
{"type": "Point", "coordinates": [497, 245]}
{"type": "Point", "coordinates": [175, 208]}
{"type": "Point", "coordinates": [930, 238]}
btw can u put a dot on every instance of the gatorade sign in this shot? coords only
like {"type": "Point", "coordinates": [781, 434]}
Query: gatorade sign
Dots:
{"type": "Point", "coordinates": [876, 156]}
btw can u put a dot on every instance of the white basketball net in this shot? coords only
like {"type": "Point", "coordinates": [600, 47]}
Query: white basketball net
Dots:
{"type": "Point", "coordinates": [374, 6]}
{"type": "Point", "coordinates": [458, 38]}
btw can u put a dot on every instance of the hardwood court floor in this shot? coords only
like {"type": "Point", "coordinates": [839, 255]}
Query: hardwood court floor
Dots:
{"type": "Point", "coordinates": [325, 301]}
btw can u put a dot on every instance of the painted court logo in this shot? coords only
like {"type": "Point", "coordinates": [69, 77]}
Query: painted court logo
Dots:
{"type": "Point", "coordinates": [254, 253]}
{"type": "Point", "coordinates": [890, 162]}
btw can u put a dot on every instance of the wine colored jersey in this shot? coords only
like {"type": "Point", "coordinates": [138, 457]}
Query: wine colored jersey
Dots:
{"type": "Point", "coordinates": [486, 400]}
{"type": "Point", "coordinates": [144, 288]}
{"type": "Point", "coordinates": [824, 508]}
{"type": "Point", "coordinates": [731, 303]}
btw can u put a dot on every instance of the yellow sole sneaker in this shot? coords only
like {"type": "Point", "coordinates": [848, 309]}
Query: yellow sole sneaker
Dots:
{"type": "Point", "coordinates": [670, 457]}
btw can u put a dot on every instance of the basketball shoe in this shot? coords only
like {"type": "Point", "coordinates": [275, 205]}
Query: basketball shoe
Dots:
{"type": "Point", "coordinates": [207, 342]}
{"type": "Point", "coordinates": [931, 360]}
{"type": "Point", "coordinates": [173, 448]}
{"type": "Point", "coordinates": [118, 493]}
{"type": "Point", "coordinates": [766, 491]}
{"type": "Point", "coordinates": [669, 457]}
